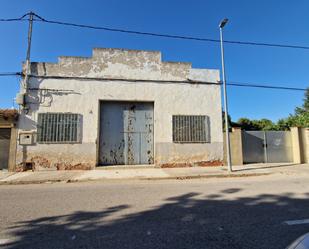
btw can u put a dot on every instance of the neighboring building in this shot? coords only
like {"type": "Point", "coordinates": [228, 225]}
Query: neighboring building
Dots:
{"type": "Point", "coordinates": [120, 107]}
{"type": "Point", "coordinates": [8, 137]}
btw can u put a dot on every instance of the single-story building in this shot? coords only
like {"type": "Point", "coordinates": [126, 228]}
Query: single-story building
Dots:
{"type": "Point", "coordinates": [119, 107]}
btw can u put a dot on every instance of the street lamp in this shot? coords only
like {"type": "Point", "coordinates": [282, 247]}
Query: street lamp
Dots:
{"type": "Point", "coordinates": [227, 134]}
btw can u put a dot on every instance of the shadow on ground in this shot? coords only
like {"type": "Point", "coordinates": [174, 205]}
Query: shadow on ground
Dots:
{"type": "Point", "coordinates": [186, 221]}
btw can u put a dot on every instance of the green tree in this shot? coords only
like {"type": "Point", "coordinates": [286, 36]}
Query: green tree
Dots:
{"type": "Point", "coordinates": [283, 124]}
{"type": "Point", "coordinates": [305, 106]}
{"type": "Point", "coordinates": [300, 117]}
{"type": "Point", "coordinates": [265, 124]}
{"type": "Point", "coordinates": [246, 124]}
{"type": "Point", "coordinates": [261, 124]}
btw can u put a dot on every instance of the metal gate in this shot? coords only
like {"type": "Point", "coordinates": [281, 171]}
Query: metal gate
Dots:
{"type": "Point", "coordinates": [126, 133]}
{"type": "Point", "coordinates": [267, 146]}
{"type": "Point", "coordinates": [5, 135]}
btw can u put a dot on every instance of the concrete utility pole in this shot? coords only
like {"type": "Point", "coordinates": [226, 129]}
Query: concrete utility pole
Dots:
{"type": "Point", "coordinates": [227, 134]}
{"type": "Point", "coordinates": [28, 63]}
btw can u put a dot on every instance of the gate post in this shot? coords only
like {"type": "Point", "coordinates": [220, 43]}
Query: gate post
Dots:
{"type": "Point", "coordinates": [265, 147]}
{"type": "Point", "coordinates": [236, 147]}
{"type": "Point", "coordinates": [304, 141]}
{"type": "Point", "coordinates": [296, 145]}
{"type": "Point", "coordinates": [13, 148]}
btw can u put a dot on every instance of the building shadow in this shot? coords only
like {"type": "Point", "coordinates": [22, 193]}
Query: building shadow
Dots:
{"type": "Point", "coordinates": [220, 220]}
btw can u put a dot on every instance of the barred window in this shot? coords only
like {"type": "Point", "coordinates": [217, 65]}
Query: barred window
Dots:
{"type": "Point", "coordinates": [59, 128]}
{"type": "Point", "coordinates": [191, 129]}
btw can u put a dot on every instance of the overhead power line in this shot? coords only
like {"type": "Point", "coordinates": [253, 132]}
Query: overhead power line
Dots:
{"type": "Point", "coordinates": [22, 18]}
{"type": "Point", "coordinates": [10, 74]}
{"type": "Point", "coordinates": [41, 19]}
{"type": "Point", "coordinates": [238, 84]}
{"type": "Point", "coordinates": [135, 32]}
{"type": "Point", "coordinates": [231, 83]}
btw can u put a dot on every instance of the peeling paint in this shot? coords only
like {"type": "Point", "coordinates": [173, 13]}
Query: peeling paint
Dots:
{"type": "Point", "coordinates": [78, 166]}
{"type": "Point", "coordinates": [122, 64]}
{"type": "Point", "coordinates": [192, 164]}
{"type": "Point", "coordinates": [209, 163]}
{"type": "Point", "coordinates": [176, 165]}
{"type": "Point", "coordinates": [39, 162]}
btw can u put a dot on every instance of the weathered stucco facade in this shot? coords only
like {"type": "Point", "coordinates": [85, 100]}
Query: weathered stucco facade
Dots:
{"type": "Point", "coordinates": [78, 85]}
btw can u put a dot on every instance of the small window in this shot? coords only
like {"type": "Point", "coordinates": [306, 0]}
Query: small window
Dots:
{"type": "Point", "coordinates": [191, 129]}
{"type": "Point", "coordinates": [59, 128]}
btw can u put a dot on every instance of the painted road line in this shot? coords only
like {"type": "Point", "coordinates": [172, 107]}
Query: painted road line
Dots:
{"type": "Point", "coordinates": [296, 222]}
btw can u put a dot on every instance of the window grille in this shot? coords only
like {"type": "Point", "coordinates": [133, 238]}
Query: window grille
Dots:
{"type": "Point", "coordinates": [191, 129]}
{"type": "Point", "coordinates": [59, 128]}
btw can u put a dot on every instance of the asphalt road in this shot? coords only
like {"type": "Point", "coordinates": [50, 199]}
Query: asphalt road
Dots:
{"type": "Point", "coordinates": [206, 213]}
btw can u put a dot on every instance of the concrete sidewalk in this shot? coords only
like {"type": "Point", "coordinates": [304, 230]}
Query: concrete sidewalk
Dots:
{"type": "Point", "coordinates": [150, 173]}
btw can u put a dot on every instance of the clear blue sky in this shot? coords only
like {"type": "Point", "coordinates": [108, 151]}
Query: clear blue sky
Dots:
{"type": "Point", "coordinates": [270, 21]}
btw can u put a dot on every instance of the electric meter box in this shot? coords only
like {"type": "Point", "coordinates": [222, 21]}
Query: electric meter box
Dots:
{"type": "Point", "coordinates": [26, 138]}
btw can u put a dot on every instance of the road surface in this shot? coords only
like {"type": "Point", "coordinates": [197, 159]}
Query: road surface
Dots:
{"type": "Point", "coordinates": [251, 212]}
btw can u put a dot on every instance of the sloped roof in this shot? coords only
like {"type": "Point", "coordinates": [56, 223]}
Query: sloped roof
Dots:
{"type": "Point", "coordinates": [8, 114]}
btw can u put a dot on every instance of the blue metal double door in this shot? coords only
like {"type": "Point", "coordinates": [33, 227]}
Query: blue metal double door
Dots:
{"type": "Point", "coordinates": [126, 133]}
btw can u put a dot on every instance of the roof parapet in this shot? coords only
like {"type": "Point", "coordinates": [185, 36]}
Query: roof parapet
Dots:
{"type": "Point", "coordinates": [123, 64]}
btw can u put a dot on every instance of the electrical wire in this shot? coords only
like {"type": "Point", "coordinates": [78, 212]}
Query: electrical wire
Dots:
{"type": "Point", "coordinates": [232, 83]}
{"type": "Point", "coordinates": [10, 74]}
{"type": "Point", "coordinates": [202, 39]}
{"type": "Point", "coordinates": [41, 19]}
{"type": "Point", "coordinates": [15, 19]}
{"type": "Point", "coordinates": [240, 84]}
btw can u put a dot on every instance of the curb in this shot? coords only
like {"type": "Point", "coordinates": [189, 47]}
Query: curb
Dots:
{"type": "Point", "coordinates": [32, 182]}
{"type": "Point", "coordinates": [208, 176]}
{"type": "Point", "coordinates": [188, 177]}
